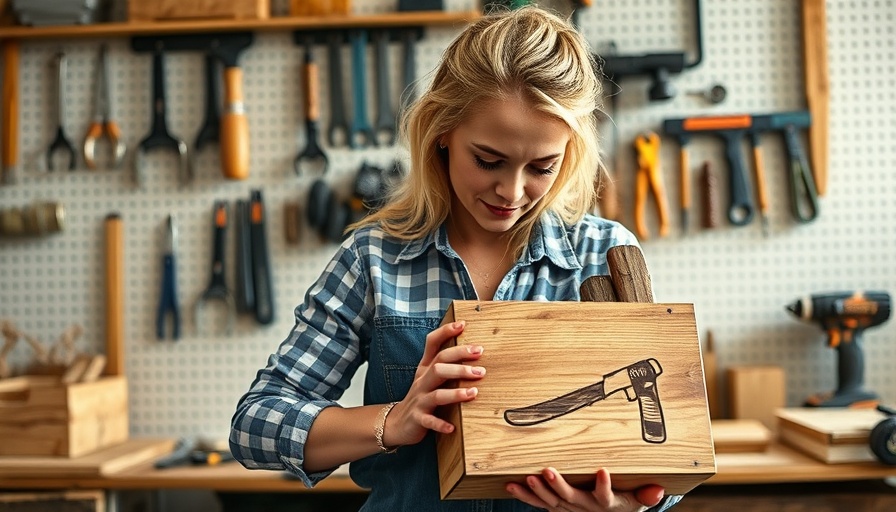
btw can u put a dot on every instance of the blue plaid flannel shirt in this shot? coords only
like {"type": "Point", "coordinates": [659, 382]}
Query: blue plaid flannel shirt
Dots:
{"type": "Point", "coordinates": [376, 283]}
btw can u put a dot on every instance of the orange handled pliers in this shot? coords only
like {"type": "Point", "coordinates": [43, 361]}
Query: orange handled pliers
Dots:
{"type": "Point", "coordinates": [102, 119]}
{"type": "Point", "coordinates": [649, 179]}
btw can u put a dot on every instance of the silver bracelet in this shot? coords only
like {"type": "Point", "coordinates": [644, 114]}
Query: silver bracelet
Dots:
{"type": "Point", "coordinates": [380, 427]}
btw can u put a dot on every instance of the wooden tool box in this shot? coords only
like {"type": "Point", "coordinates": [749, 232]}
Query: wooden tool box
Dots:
{"type": "Point", "coordinates": [40, 415]}
{"type": "Point", "coordinates": [578, 386]}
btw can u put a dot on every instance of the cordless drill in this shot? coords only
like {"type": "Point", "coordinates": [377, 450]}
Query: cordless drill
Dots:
{"type": "Point", "coordinates": [845, 315]}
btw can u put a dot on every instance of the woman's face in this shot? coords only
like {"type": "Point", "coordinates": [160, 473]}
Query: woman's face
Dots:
{"type": "Point", "coordinates": [502, 160]}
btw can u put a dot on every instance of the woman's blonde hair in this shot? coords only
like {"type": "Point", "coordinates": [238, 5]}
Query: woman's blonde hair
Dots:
{"type": "Point", "coordinates": [527, 51]}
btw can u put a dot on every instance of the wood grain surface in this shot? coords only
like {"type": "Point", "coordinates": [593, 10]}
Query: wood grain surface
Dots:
{"type": "Point", "coordinates": [536, 351]}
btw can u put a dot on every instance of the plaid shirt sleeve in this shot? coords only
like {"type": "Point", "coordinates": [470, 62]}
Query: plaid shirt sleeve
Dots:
{"type": "Point", "coordinates": [309, 372]}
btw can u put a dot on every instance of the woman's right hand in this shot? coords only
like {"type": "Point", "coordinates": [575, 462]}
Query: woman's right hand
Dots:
{"type": "Point", "coordinates": [413, 417]}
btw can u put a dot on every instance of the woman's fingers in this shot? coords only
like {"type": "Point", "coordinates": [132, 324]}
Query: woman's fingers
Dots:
{"type": "Point", "coordinates": [649, 495]}
{"type": "Point", "coordinates": [437, 338]}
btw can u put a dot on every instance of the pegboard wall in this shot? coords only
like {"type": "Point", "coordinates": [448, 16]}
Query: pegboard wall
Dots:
{"type": "Point", "coordinates": [738, 279]}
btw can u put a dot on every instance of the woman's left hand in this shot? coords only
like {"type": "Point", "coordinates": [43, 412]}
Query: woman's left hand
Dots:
{"type": "Point", "coordinates": [551, 491]}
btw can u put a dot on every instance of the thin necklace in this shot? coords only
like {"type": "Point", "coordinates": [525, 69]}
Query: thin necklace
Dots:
{"type": "Point", "coordinates": [475, 266]}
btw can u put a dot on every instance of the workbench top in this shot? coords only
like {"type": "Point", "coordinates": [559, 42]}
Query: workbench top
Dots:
{"type": "Point", "coordinates": [778, 464]}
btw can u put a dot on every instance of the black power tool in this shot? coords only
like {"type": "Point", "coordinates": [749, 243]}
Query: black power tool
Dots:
{"type": "Point", "coordinates": [844, 316]}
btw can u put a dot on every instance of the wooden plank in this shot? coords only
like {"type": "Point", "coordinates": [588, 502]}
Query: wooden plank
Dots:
{"type": "Point", "coordinates": [598, 289]}
{"type": "Point", "coordinates": [102, 462]}
{"type": "Point", "coordinates": [740, 436]}
{"type": "Point", "coordinates": [817, 84]}
{"type": "Point", "coordinates": [631, 280]}
{"type": "Point", "coordinates": [279, 23]}
{"type": "Point", "coordinates": [831, 425]}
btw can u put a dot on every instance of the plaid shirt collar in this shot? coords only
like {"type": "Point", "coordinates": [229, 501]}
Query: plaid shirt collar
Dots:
{"type": "Point", "coordinates": [549, 240]}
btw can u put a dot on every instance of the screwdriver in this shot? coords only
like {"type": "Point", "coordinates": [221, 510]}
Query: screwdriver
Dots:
{"type": "Point", "coordinates": [759, 167]}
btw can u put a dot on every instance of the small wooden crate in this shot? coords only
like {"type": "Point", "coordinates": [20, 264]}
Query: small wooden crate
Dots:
{"type": "Point", "coordinates": [41, 416]}
{"type": "Point", "coordinates": [141, 10]}
{"type": "Point", "coordinates": [560, 352]}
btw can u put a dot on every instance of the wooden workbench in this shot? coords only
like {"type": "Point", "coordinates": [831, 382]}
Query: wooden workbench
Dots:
{"type": "Point", "coordinates": [778, 464]}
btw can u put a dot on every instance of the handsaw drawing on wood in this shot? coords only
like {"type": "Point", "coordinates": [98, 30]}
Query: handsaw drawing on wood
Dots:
{"type": "Point", "coordinates": [629, 281]}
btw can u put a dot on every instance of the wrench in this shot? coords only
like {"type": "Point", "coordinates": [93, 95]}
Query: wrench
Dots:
{"type": "Point", "coordinates": [384, 129]}
{"type": "Point", "coordinates": [338, 133]}
{"type": "Point", "coordinates": [61, 142]}
{"type": "Point", "coordinates": [361, 133]}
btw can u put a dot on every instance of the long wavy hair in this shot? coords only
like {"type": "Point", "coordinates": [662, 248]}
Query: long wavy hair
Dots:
{"type": "Point", "coordinates": [527, 51]}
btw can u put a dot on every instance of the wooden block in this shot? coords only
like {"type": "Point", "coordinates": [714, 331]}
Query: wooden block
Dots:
{"type": "Point", "coordinates": [562, 389]}
{"type": "Point", "coordinates": [43, 416]}
{"type": "Point", "coordinates": [105, 461]}
{"type": "Point", "coordinates": [756, 392]}
{"type": "Point", "coordinates": [320, 7]}
{"type": "Point", "coordinates": [829, 434]}
{"type": "Point", "coordinates": [198, 9]}
{"type": "Point", "coordinates": [740, 436]}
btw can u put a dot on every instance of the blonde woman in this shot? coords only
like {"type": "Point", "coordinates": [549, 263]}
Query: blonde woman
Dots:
{"type": "Point", "coordinates": [503, 162]}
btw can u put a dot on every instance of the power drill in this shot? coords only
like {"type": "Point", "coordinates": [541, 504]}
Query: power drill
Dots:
{"type": "Point", "coordinates": [845, 315]}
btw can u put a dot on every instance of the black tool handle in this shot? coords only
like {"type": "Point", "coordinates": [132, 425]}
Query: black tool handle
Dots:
{"type": "Point", "coordinates": [261, 262]}
{"type": "Point", "coordinates": [643, 375]}
{"type": "Point", "coordinates": [338, 132]}
{"type": "Point", "coordinates": [245, 285]}
{"type": "Point", "coordinates": [220, 235]}
{"type": "Point", "coordinates": [803, 194]}
{"type": "Point", "coordinates": [211, 126]}
{"type": "Point", "coordinates": [741, 210]}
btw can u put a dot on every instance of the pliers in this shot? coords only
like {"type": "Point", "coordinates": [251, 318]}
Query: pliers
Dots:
{"type": "Point", "coordinates": [168, 301]}
{"type": "Point", "coordinates": [103, 123]}
{"type": "Point", "coordinates": [649, 179]}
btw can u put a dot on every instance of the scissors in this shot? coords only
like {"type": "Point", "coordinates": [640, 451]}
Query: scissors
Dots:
{"type": "Point", "coordinates": [649, 179]}
{"type": "Point", "coordinates": [103, 123]}
{"type": "Point", "coordinates": [168, 301]}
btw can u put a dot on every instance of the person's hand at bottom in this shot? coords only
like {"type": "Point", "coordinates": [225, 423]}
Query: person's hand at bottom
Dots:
{"type": "Point", "coordinates": [551, 491]}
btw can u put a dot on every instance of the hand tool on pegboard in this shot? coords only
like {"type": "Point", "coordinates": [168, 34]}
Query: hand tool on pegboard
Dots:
{"type": "Point", "coordinates": [361, 133]}
{"type": "Point", "coordinates": [312, 156]}
{"type": "Point", "coordinates": [104, 123]}
{"type": "Point", "coordinates": [159, 136]}
{"type": "Point", "coordinates": [210, 131]}
{"type": "Point", "coordinates": [261, 260]}
{"type": "Point", "coordinates": [815, 62]}
{"type": "Point", "coordinates": [384, 126]}
{"type": "Point", "coordinates": [409, 37]}
{"type": "Point", "coordinates": [115, 297]}
{"type": "Point", "coordinates": [245, 285]}
{"type": "Point", "coordinates": [338, 133]}
{"type": "Point", "coordinates": [845, 316]}
{"type": "Point", "coordinates": [60, 141]}
{"type": "Point", "coordinates": [649, 180]}
{"type": "Point", "coordinates": [168, 306]}
{"type": "Point", "coordinates": [803, 191]}
{"type": "Point", "coordinates": [731, 129]}
{"type": "Point", "coordinates": [217, 287]}
{"type": "Point", "coordinates": [658, 66]}
{"type": "Point", "coordinates": [234, 136]}
{"type": "Point", "coordinates": [709, 194]}
{"type": "Point", "coordinates": [10, 126]}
